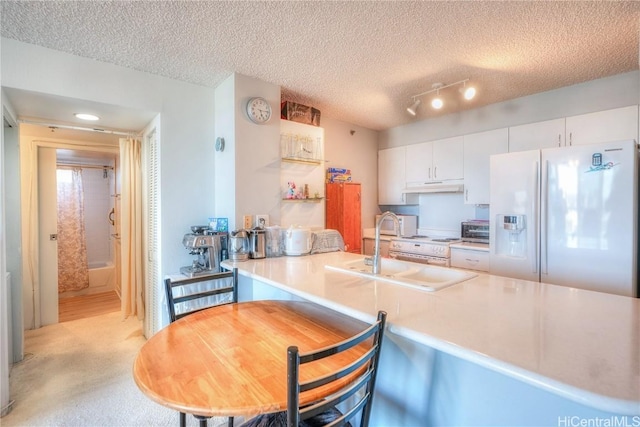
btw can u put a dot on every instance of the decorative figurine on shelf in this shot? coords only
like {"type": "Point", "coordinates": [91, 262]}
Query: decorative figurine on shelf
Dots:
{"type": "Point", "coordinates": [291, 192]}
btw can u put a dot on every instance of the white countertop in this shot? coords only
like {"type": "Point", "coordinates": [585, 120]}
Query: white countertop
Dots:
{"type": "Point", "coordinates": [582, 345]}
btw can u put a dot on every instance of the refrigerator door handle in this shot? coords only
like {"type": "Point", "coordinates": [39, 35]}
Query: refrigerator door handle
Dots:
{"type": "Point", "coordinates": [544, 223]}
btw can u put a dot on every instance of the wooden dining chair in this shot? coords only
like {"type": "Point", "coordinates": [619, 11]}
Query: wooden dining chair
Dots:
{"type": "Point", "coordinates": [197, 298]}
{"type": "Point", "coordinates": [355, 397]}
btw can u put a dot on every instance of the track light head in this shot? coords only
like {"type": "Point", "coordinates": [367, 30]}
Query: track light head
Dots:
{"type": "Point", "coordinates": [413, 108]}
{"type": "Point", "coordinates": [437, 102]}
{"type": "Point", "coordinates": [468, 92]}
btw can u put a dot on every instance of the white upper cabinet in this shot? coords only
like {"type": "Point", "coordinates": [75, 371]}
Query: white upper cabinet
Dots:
{"type": "Point", "coordinates": [536, 136]}
{"type": "Point", "coordinates": [603, 126]}
{"type": "Point", "coordinates": [391, 176]}
{"type": "Point", "coordinates": [478, 147]}
{"type": "Point", "coordinates": [440, 160]}
{"type": "Point", "coordinates": [448, 158]}
{"type": "Point", "coordinates": [419, 160]}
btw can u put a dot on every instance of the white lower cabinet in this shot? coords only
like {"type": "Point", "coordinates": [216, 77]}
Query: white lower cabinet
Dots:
{"type": "Point", "coordinates": [470, 259]}
{"type": "Point", "coordinates": [369, 247]}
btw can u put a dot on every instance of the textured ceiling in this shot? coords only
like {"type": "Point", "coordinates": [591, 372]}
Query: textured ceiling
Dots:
{"type": "Point", "coordinates": [359, 62]}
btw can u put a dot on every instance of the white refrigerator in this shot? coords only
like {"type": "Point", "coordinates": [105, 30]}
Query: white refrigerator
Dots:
{"type": "Point", "coordinates": [567, 216]}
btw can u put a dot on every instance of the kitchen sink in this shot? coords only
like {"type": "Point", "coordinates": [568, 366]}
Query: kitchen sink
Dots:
{"type": "Point", "coordinates": [390, 266]}
{"type": "Point", "coordinates": [406, 273]}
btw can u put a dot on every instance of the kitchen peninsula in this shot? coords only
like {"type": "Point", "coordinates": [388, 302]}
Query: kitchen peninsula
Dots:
{"type": "Point", "coordinates": [487, 351]}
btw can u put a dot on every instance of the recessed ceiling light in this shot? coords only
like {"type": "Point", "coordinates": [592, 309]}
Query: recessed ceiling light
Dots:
{"type": "Point", "coordinates": [85, 116]}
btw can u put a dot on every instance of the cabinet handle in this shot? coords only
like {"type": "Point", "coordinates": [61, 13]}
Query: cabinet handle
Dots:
{"type": "Point", "coordinates": [429, 173]}
{"type": "Point", "coordinates": [466, 194]}
{"type": "Point", "coordinates": [570, 138]}
{"type": "Point", "coordinates": [435, 172]}
{"type": "Point", "coordinates": [559, 140]}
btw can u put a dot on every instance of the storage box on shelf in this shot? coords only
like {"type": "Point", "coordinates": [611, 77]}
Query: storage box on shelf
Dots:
{"type": "Point", "coordinates": [299, 113]}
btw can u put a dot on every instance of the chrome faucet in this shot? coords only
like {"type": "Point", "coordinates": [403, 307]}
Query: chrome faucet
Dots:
{"type": "Point", "coordinates": [376, 261]}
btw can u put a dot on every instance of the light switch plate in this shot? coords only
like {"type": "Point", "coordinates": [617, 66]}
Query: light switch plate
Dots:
{"type": "Point", "coordinates": [247, 222]}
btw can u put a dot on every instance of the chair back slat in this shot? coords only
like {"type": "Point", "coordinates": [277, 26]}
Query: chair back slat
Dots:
{"type": "Point", "coordinates": [364, 368]}
{"type": "Point", "coordinates": [202, 299]}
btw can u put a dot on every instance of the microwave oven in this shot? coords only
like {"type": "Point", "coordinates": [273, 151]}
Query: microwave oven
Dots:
{"type": "Point", "coordinates": [408, 225]}
{"type": "Point", "coordinates": [476, 231]}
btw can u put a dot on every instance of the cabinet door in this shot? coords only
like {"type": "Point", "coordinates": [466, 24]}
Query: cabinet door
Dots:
{"type": "Point", "coordinates": [478, 148]}
{"type": "Point", "coordinates": [536, 136]}
{"type": "Point", "coordinates": [369, 249]}
{"type": "Point", "coordinates": [352, 230]}
{"type": "Point", "coordinates": [448, 159]}
{"type": "Point", "coordinates": [368, 246]}
{"type": "Point", "coordinates": [603, 126]}
{"type": "Point", "coordinates": [391, 176]}
{"type": "Point", "coordinates": [419, 159]}
{"type": "Point", "coordinates": [343, 213]}
{"type": "Point", "coordinates": [470, 259]}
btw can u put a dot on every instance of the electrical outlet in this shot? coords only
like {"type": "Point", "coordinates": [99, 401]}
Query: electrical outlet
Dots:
{"type": "Point", "coordinates": [247, 222]}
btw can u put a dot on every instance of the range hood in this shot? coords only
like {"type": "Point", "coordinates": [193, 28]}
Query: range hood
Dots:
{"type": "Point", "coordinates": [454, 186]}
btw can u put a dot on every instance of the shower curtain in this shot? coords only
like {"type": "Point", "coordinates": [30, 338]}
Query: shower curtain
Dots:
{"type": "Point", "coordinates": [131, 234]}
{"type": "Point", "coordinates": [73, 270]}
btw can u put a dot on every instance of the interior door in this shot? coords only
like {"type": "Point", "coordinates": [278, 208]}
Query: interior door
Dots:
{"type": "Point", "coordinates": [46, 299]}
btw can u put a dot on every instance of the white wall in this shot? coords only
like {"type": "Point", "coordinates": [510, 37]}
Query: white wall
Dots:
{"type": "Point", "coordinates": [5, 307]}
{"type": "Point", "coordinates": [442, 213]}
{"type": "Point", "coordinates": [602, 94]}
{"type": "Point", "coordinates": [247, 171]}
{"type": "Point", "coordinates": [11, 164]}
{"type": "Point", "coordinates": [358, 152]}
{"type": "Point", "coordinates": [187, 126]}
{"type": "Point", "coordinates": [97, 204]}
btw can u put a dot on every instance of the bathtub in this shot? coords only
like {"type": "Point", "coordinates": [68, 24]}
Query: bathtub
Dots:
{"type": "Point", "coordinates": [102, 277]}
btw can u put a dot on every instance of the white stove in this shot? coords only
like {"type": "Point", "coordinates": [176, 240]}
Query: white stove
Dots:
{"type": "Point", "coordinates": [423, 249]}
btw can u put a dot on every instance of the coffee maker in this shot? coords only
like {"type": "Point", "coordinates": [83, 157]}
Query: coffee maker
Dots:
{"type": "Point", "coordinates": [208, 246]}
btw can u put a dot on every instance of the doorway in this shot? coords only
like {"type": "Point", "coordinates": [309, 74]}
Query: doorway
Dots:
{"type": "Point", "coordinates": [40, 148]}
{"type": "Point", "coordinates": [88, 233]}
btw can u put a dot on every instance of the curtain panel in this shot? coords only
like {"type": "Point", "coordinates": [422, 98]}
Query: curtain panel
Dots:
{"type": "Point", "coordinates": [73, 270]}
{"type": "Point", "coordinates": [131, 231]}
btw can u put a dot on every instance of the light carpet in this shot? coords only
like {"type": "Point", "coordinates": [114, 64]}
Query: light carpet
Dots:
{"type": "Point", "coordinates": [79, 373]}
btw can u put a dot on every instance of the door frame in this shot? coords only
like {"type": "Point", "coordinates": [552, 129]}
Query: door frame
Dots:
{"type": "Point", "coordinates": [31, 285]}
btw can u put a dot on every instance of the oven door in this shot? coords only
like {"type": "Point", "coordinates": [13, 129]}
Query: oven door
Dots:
{"type": "Point", "coordinates": [419, 258]}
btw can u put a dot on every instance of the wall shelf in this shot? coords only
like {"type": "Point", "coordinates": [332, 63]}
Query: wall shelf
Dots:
{"type": "Point", "coordinates": [309, 200]}
{"type": "Point", "coordinates": [301, 160]}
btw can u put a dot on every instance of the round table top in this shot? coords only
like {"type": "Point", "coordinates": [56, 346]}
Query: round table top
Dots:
{"type": "Point", "coordinates": [231, 360]}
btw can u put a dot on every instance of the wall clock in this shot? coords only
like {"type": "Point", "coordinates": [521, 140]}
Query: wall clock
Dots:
{"type": "Point", "coordinates": [258, 110]}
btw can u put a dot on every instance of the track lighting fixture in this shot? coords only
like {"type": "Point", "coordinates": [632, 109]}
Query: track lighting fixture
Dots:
{"type": "Point", "coordinates": [437, 102]}
{"type": "Point", "coordinates": [414, 107]}
{"type": "Point", "coordinates": [468, 93]}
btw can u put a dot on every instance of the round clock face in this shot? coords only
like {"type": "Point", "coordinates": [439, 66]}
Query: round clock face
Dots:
{"type": "Point", "coordinates": [258, 110]}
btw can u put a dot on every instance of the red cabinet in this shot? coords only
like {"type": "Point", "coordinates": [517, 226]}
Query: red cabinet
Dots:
{"type": "Point", "coordinates": [343, 213]}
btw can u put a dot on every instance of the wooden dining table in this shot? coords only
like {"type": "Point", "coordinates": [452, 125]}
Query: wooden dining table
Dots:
{"type": "Point", "coordinates": [231, 360]}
